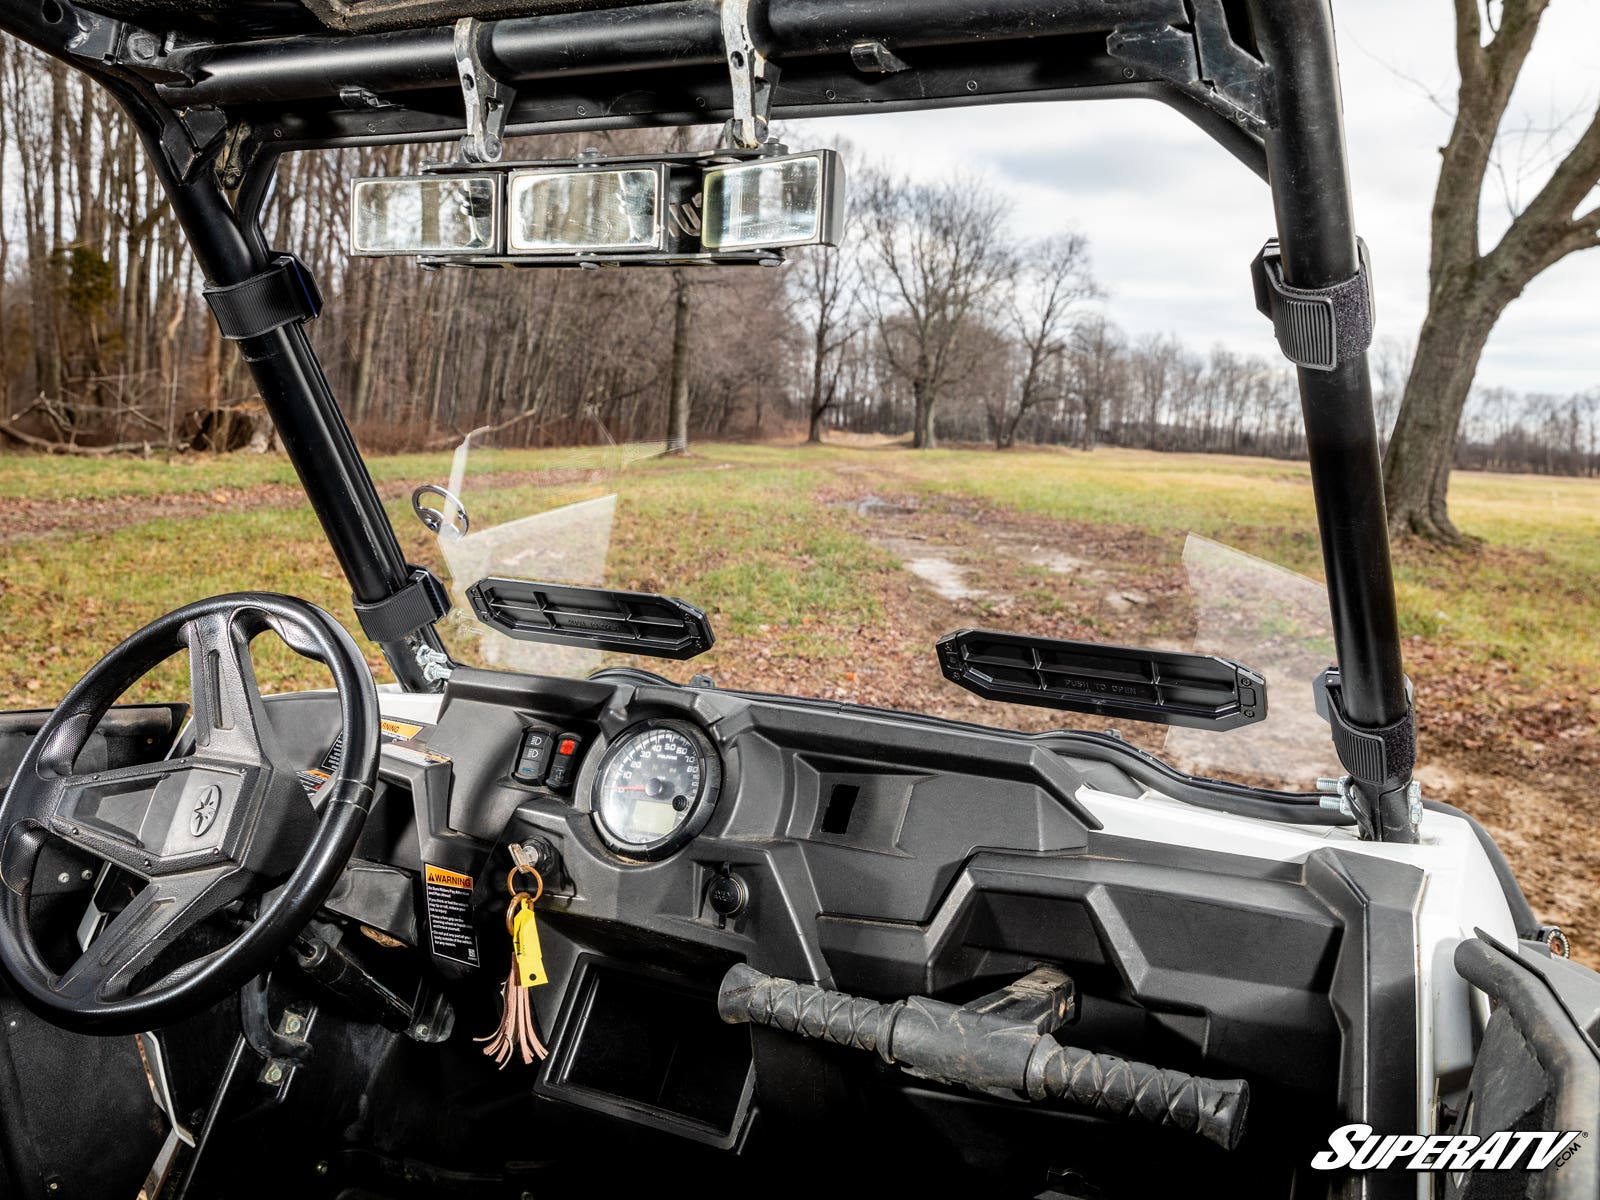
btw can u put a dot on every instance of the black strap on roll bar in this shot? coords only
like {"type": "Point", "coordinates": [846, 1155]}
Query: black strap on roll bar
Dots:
{"type": "Point", "coordinates": [1379, 758]}
{"type": "Point", "coordinates": [1316, 328]}
{"type": "Point", "coordinates": [285, 292]}
{"type": "Point", "coordinates": [396, 617]}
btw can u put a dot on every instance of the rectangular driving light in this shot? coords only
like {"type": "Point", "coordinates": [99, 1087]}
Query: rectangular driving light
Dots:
{"type": "Point", "coordinates": [425, 214]}
{"type": "Point", "coordinates": [586, 210]}
{"type": "Point", "coordinates": [796, 200]}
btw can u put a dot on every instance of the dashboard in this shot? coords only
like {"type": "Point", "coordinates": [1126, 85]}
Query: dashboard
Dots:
{"type": "Point", "coordinates": [681, 830]}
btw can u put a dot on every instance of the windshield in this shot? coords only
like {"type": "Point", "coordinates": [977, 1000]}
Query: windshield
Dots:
{"type": "Point", "coordinates": [831, 571]}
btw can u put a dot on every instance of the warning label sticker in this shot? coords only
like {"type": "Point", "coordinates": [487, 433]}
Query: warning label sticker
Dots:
{"type": "Point", "coordinates": [449, 900]}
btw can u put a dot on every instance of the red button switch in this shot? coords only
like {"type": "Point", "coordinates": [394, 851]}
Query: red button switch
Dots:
{"type": "Point", "coordinates": [567, 746]}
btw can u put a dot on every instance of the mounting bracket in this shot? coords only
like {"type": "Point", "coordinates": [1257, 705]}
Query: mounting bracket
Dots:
{"type": "Point", "coordinates": [753, 75]}
{"type": "Point", "coordinates": [487, 99]}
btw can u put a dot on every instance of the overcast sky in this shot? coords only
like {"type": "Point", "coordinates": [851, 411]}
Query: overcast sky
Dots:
{"type": "Point", "coordinates": [1174, 220]}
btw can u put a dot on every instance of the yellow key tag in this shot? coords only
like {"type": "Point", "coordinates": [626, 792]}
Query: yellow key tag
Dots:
{"type": "Point", "coordinates": [525, 947]}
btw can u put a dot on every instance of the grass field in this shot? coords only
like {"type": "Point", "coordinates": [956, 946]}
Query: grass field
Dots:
{"type": "Point", "coordinates": [812, 591]}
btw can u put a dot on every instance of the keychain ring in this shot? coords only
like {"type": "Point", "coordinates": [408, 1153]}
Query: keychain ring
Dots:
{"type": "Point", "coordinates": [511, 885]}
{"type": "Point", "coordinates": [517, 900]}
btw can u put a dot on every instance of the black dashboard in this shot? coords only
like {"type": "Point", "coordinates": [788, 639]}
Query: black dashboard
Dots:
{"type": "Point", "coordinates": [686, 829]}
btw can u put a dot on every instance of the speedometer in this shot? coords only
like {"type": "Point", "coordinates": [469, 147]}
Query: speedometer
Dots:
{"type": "Point", "coordinates": [655, 788]}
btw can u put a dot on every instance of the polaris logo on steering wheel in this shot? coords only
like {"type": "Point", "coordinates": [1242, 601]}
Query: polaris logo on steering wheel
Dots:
{"type": "Point", "coordinates": [204, 814]}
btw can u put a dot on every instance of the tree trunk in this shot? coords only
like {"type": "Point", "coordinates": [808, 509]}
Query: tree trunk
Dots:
{"type": "Point", "coordinates": [814, 435]}
{"type": "Point", "coordinates": [678, 393]}
{"type": "Point", "coordinates": [1416, 467]}
{"type": "Point", "coordinates": [922, 431]}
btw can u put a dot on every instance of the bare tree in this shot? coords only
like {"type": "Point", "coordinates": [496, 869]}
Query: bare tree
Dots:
{"type": "Point", "coordinates": [1469, 288]}
{"type": "Point", "coordinates": [1053, 280]}
{"type": "Point", "coordinates": [827, 288]}
{"type": "Point", "coordinates": [1097, 374]}
{"type": "Point", "coordinates": [943, 249]}
{"type": "Point", "coordinates": [1155, 364]}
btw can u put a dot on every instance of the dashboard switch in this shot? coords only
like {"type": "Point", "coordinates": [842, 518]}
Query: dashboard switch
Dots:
{"type": "Point", "coordinates": [565, 760]}
{"type": "Point", "coordinates": [727, 896]}
{"type": "Point", "coordinates": [533, 760]}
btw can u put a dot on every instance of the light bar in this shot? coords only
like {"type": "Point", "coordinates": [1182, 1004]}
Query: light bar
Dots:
{"type": "Point", "coordinates": [795, 200]}
{"type": "Point", "coordinates": [425, 214]}
{"type": "Point", "coordinates": [726, 207]}
{"type": "Point", "coordinates": [589, 209]}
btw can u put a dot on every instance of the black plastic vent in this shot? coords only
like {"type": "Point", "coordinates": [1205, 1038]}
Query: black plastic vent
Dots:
{"type": "Point", "coordinates": [1160, 686]}
{"type": "Point", "coordinates": [629, 622]}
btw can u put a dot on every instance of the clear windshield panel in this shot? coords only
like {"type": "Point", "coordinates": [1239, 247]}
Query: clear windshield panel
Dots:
{"type": "Point", "coordinates": [831, 573]}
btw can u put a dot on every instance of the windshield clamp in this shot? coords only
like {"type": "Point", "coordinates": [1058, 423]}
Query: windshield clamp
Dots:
{"type": "Point", "coordinates": [282, 294]}
{"type": "Point", "coordinates": [1317, 328]}
{"type": "Point", "coordinates": [396, 617]}
{"type": "Point", "coordinates": [1378, 790]}
{"type": "Point", "coordinates": [487, 99]}
{"type": "Point", "coordinates": [752, 74]}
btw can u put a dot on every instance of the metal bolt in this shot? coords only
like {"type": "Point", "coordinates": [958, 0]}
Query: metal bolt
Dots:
{"type": "Point", "coordinates": [583, 110]}
{"type": "Point", "coordinates": [274, 1074]}
{"type": "Point", "coordinates": [421, 1032]}
{"type": "Point", "coordinates": [292, 1023]}
{"type": "Point", "coordinates": [972, 85]}
{"type": "Point", "coordinates": [1127, 72]}
{"type": "Point", "coordinates": [11, 1024]}
{"type": "Point", "coordinates": [142, 45]}
{"type": "Point", "coordinates": [86, 874]}
{"type": "Point", "coordinates": [147, 862]}
{"type": "Point", "coordinates": [53, 1186]}
{"type": "Point", "coordinates": [321, 1168]}
{"type": "Point", "coordinates": [64, 877]}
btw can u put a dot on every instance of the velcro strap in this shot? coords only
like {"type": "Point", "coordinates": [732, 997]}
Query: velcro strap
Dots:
{"type": "Point", "coordinates": [1381, 756]}
{"type": "Point", "coordinates": [283, 293]}
{"type": "Point", "coordinates": [1317, 328]}
{"type": "Point", "coordinates": [394, 618]}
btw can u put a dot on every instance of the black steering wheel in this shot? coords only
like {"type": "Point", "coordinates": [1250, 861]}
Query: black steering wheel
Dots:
{"type": "Point", "coordinates": [228, 821]}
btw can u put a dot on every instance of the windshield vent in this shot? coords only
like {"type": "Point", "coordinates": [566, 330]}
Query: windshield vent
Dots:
{"type": "Point", "coordinates": [629, 622]}
{"type": "Point", "coordinates": [1166, 687]}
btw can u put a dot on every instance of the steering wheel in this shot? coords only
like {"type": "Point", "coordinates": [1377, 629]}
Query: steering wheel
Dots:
{"type": "Point", "coordinates": [226, 822]}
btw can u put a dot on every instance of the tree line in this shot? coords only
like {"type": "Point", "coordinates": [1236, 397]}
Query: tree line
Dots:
{"type": "Point", "coordinates": [933, 320]}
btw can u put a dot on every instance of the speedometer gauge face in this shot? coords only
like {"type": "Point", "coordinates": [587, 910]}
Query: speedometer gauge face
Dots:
{"type": "Point", "coordinates": [656, 787]}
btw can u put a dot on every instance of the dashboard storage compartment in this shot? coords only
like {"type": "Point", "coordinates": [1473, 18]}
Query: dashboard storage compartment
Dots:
{"type": "Point", "coordinates": [650, 1046]}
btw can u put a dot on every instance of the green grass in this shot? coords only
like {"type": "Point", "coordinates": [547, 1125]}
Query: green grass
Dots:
{"type": "Point", "coordinates": [744, 531]}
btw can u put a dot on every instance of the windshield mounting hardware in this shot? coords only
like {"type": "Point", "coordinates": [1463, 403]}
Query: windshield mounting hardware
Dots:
{"type": "Point", "coordinates": [1316, 328]}
{"type": "Point", "coordinates": [628, 622]}
{"type": "Point", "coordinates": [1160, 686]}
{"type": "Point", "coordinates": [486, 98]}
{"type": "Point", "coordinates": [1378, 790]}
{"type": "Point", "coordinates": [284, 293]}
{"type": "Point", "coordinates": [753, 75]}
{"type": "Point", "coordinates": [421, 602]}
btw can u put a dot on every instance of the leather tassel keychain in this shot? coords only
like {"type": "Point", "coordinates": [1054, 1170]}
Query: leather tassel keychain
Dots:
{"type": "Point", "coordinates": [516, 1033]}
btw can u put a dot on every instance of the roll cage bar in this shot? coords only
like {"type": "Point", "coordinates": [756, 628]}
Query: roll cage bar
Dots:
{"type": "Point", "coordinates": [216, 109]}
